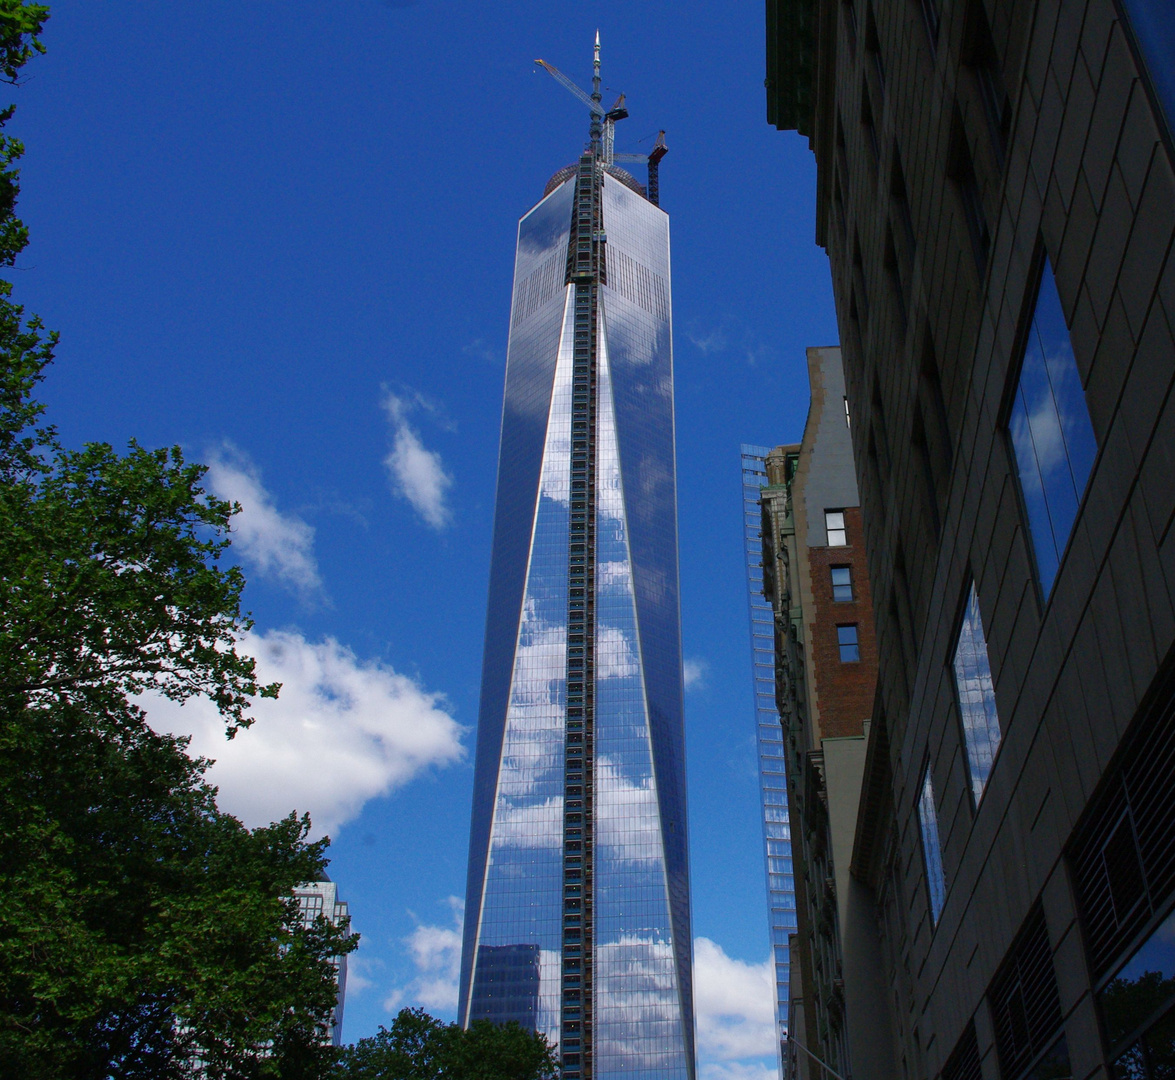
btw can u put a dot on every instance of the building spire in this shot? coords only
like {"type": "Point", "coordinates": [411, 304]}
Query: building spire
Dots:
{"type": "Point", "coordinates": [597, 129]}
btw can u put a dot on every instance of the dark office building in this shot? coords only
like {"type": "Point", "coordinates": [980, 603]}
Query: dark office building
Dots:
{"type": "Point", "coordinates": [578, 848]}
{"type": "Point", "coordinates": [996, 196]}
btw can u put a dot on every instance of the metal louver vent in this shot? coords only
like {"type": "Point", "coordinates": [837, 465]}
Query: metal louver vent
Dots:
{"type": "Point", "coordinates": [1025, 1004]}
{"type": "Point", "coordinates": [1123, 853]}
{"type": "Point", "coordinates": [963, 1064]}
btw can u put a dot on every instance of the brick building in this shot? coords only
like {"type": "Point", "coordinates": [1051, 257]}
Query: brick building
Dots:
{"type": "Point", "coordinates": [816, 579]}
{"type": "Point", "coordinates": [996, 196]}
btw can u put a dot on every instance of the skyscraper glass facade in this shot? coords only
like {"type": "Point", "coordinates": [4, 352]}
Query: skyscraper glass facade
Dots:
{"type": "Point", "coordinates": [577, 916]}
{"type": "Point", "coordinates": [781, 896]}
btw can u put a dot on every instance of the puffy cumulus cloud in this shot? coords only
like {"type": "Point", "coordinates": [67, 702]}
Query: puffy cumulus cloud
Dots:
{"type": "Point", "coordinates": [436, 955]}
{"type": "Point", "coordinates": [417, 474]}
{"type": "Point", "coordinates": [735, 1003]}
{"type": "Point", "coordinates": [695, 673]}
{"type": "Point", "coordinates": [342, 732]}
{"type": "Point", "coordinates": [275, 545]}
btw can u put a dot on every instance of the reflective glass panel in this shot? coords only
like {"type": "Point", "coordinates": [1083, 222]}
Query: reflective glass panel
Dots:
{"type": "Point", "coordinates": [639, 1020]}
{"type": "Point", "coordinates": [635, 307]}
{"type": "Point", "coordinates": [931, 851]}
{"type": "Point", "coordinates": [1051, 432]}
{"type": "Point", "coordinates": [519, 939]}
{"type": "Point", "coordinates": [537, 324]}
{"type": "Point", "coordinates": [781, 898]}
{"type": "Point", "coordinates": [981, 723]}
{"type": "Point", "coordinates": [1142, 990]}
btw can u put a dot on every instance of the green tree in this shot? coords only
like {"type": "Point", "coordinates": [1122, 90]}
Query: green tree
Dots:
{"type": "Point", "coordinates": [419, 1047]}
{"type": "Point", "coordinates": [142, 932]}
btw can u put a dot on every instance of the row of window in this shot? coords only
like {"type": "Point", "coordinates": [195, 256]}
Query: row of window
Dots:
{"type": "Point", "coordinates": [1054, 448]}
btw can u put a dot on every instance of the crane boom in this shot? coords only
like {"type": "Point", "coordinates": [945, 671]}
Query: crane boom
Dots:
{"type": "Point", "coordinates": [595, 107]}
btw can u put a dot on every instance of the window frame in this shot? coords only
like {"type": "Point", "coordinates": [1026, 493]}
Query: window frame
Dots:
{"type": "Point", "coordinates": [854, 644]}
{"type": "Point", "coordinates": [851, 598]}
{"type": "Point", "coordinates": [828, 530]}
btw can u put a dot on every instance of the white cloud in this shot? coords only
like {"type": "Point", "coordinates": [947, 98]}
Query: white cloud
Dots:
{"type": "Point", "coordinates": [276, 545]}
{"type": "Point", "coordinates": [695, 673]}
{"type": "Point", "coordinates": [436, 955]}
{"type": "Point", "coordinates": [361, 971]}
{"type": "Point", "coordinates": [713, 342]}
{"type": "Point", "coordinates": [736, 1070]}
{"type": "Point", "coordinates": [343, 731]}
{"type": "Point", "coordinates": [417, 474]}
{"type": "Point", "coordinates": [735, 1005]}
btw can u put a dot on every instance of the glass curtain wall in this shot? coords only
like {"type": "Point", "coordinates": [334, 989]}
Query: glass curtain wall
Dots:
{"type": "Point", "coordinates": [781, 898]}
{"type": "Point", "coordinates": [515, 960]}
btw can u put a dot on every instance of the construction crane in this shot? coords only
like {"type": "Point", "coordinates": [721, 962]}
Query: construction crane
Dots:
{"type": "Point", "coordinates": [653, 160]}
{"type": "Point", "coordinates": [603, 129]}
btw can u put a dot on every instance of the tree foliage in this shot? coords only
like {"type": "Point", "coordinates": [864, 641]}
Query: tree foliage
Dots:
{"type": "Point", "coordinates": [142, 932]}
{"type": "Point", "coordinates": [419, 1047]}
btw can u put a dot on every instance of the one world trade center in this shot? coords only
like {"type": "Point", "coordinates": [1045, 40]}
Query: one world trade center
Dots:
{"type": "Point", "coordinates": [577, 920]}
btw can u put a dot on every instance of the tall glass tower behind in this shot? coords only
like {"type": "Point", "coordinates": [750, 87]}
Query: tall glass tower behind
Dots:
{"type": "Point", "coordinates": [577, 916]}
{"type": "Point", "coordinates": [781, 896]}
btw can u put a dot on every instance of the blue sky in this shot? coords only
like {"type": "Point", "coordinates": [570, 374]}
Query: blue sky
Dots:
{"type": "Point", "coordinates": [281, 235]}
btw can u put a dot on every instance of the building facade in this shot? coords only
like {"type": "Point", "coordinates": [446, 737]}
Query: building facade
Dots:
{"type": "Point", "coordinates": [781, 892]}
{"type": "Point", "coordinates": [996, 195]}
{"type": "Point", "coordinates": [577, 918]}
{"type": "Point", "coordinates": [816, 581]}
{"type": "Point", "coordinates": [320, 899]}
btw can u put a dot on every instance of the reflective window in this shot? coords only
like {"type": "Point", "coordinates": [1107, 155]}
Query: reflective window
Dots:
{"type": "Point", "coordinates": [981, 723]}
{"type": "Point", "coordinates": [1138, 1008]}
{"type": "Point", "coordinates": [846, 638]}
{"type": "Point", "coordinates": [931, 851]}
{"type": "Point", "coordinates": [834, 523]}
{"type": "Point", "coordinates": [1153, 23]}
{"type": "Point", "coordinates": [842, 583]}
{"type": "Point", "coordinates": [1051, 433]}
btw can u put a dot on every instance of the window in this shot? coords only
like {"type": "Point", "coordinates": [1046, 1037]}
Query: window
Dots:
{"type": "Point", "coordinates": [1052, 437]}
{"type": "Point", "coordinates": [842, 583]}
{"type": "Point", "coordinates": [981, 724]}
{"type": "Point", "coordinates": [850, 649]}
{"type": "Point", "coordinates": [834, 524]}
{"type": "Point", "coordinates": [931, 851]}
{"type": "Point", "coordinates": [1138, 1007]}
{"type": "Point", "coordinates": [1026, 1007]}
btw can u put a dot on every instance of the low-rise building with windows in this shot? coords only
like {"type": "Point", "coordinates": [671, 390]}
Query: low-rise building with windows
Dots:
{"type": "Point", "coordinates": [996, 193]}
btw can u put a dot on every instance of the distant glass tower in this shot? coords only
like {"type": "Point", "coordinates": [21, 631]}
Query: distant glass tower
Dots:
{"type": "Point", "coordinates": [781, 896]}
{"type": "Point", "coordinates": [577, 920]}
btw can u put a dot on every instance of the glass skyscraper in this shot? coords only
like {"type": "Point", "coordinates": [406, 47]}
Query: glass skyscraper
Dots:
{"type": "Point", "coordinates": [781, 896]}
{"type": "Point", "coordinates": [577, 921]}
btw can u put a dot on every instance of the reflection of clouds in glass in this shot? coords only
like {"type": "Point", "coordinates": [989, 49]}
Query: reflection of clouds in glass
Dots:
{"type": "Point", "coordinates": [628, 826]}
{"type": "Point", "coordinates": [614, 576]}
{"type": "Point", "coordinates": [555, 482]}
{"type": "Point", "coordinates": [638, 1014]}
{"type": "Point", "coordinates": [615, 654]}
{"type": "Point", "coordinates": [981, 724]}
{"type": "Point", "coordinates": [1052, 436]}
{"type": "Point", "coordinates": [550, 992]}
{"type": "Point", "coordinates": [529, 826]}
